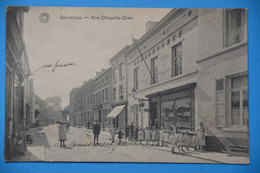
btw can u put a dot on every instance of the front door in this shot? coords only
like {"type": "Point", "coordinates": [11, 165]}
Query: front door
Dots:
{"type": "Point", "coordinates": [154, 120]}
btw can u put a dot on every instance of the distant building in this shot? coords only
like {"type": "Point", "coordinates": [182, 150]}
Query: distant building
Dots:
{"type": "Point", "coordinates": [118, 90]}
{"type": "Point", "coordinates": [72, 107]}
{"type": "Point", "coordinates": [102, 97]}
{"type": "Point", "coordinates": [44, 114]}
{"type": "Point", "coordinates": [83, 111]}
{"type": "Point", "coordinates": [91, 101]}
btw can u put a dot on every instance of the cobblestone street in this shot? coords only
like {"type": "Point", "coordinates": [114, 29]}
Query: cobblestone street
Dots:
{"type": "Point", "coordinates": [79, 148]}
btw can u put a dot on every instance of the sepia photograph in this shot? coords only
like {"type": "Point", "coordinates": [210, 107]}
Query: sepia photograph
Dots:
{"type": "Point", "coordinates": [150, 85]}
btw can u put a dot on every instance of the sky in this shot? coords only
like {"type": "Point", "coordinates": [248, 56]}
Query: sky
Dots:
{"type": "Point", "coordinates": [86, 43]}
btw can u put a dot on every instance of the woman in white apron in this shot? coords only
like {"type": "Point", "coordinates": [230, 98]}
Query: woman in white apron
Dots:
{"type": "Point", "coordinates": [201, 136]}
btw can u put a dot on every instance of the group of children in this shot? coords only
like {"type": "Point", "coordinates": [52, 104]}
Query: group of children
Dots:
{"type": "Point", "coordinates": [164, 137]}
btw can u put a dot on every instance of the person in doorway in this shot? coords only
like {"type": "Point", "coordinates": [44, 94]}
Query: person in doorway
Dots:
{"type": "Point", "coordinates": [156, 124]}
{"type": "Point", "coordinates": [112, 133]}
{"type": "Point", "coordinates": [173, 127]}
{"type": "Point", "coordinates": [62, 133]}
{"type": "Point", "coordinates": [201, 137]}
{"type": "Point", "coordinates": [88, 125]}
{"type": "Point", "coordinates": [96, 132]}
{"type": "Point", "coordinates": [120, 136]}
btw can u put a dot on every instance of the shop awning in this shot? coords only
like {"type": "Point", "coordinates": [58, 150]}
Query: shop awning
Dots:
{"type": "Point", "coordinates": [116, 111]}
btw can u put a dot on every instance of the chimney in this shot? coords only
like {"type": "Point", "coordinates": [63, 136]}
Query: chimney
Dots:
{"type": "Point", "coordinates": [150, 25]}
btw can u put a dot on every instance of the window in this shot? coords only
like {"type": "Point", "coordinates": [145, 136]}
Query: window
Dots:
{"type": "Point", "coordinates": [168, 41]}
{"type": "Point", "coordinates": [96, 98]}
{"type": "Point", "coordinates": [120, 70]}
{"type": "Point", "coordinates": [103, 95]}
{"type": "Point", "coordinates": [114, 93]}
{"type": "Point", "coordinates": [180, 34]}
{"type": "Point", "coordinates": [154, 71]}
{"type": "Point", "coordinates": [177, 60]}
{"type": "Point", "coordinates": [99, 97]}
{"type": "Point", "coordinates": [106, 94]}
{"type": "Point", "coordinates": [121, 92]}
{"type": "Point", "coordinates": [85, 101]}
{"type": "Point", "coordinates": [235, 19]}
{"type": "Point", "coordinates": [135, 114]}
{"type": "Point", "coordinates": [220, 109]}
{"type": "Point", "coordinates": [239, 100]}
{"type": "Point", "coordinates": [81, 117]}
{"type": "Point", "coordinates": [136, 79]}
{"type": "Point", "coordinates": [114, 74]}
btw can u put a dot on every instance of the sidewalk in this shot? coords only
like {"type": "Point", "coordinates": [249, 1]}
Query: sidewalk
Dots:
{"type": "Point", "coordinates": [35, 151]}
{"type": "Point", "coordinates": [211, 156]}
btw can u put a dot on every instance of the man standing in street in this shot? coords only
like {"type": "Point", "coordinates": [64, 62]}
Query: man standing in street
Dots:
{"type": "Point", "coordinates": [96, 131]}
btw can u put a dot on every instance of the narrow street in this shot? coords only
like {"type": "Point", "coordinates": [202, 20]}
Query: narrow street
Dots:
{"type": "Point", "coordinates": [79, 148]}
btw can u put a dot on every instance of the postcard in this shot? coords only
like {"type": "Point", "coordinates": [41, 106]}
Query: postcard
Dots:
{"type": "Point", "coordinates": [87, 84]}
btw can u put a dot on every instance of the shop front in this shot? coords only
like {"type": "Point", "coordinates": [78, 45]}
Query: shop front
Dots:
{"type": "Point", "coordinates": [176, 105]}
{"type": "Point", "coordinates": [118, 116]}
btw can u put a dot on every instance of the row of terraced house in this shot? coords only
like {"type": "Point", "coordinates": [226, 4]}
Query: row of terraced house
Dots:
{"type": "Point", "coordinates": [191, 66]}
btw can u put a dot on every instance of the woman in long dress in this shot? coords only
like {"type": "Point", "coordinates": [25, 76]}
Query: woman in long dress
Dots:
{"type": "Point", "coordinates": [62, 133]}
{"type": "Point", "coordinates": [201, 137]}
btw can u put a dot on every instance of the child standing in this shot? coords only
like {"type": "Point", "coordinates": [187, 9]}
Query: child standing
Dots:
{"type": "Point", "coordinates": [147, 134]}
{"type": "Point", "coordinates": [161, 137]}
{"type": "Point", "coordinates": [179, 138]}
{"type": "Point", "coordinates": [165, 137]}
{"type": "Point", "coordinates": [157, 138]}
{"type": "Point", "coordinates": [186, 140]}
{"type": "Point", "coordinates": [153, 136]}
{"type": "Point", "coordinates": [195, 141]}
{"type": "Point", "coordinates": [141, 136]}
{"type": "Point", "coordinates": [172, 141]}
